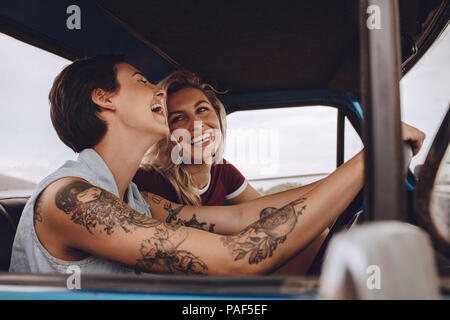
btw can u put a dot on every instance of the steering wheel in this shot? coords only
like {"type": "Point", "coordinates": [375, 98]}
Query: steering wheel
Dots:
{"type": "Point", "coordinates": [351, 215]}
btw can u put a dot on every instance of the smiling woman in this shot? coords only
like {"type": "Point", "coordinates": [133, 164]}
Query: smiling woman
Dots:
{"type": "Point", "coordinates": [187, 167]}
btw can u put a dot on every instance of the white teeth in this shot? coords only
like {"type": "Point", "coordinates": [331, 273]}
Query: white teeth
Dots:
{"type": "Point", "coordinates": [155, 106]}
{"type": "Point", "coordinates": [201, 138]}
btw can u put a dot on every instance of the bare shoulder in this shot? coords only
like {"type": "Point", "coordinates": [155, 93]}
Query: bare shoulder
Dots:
{"type": "Point", "coordinates": [73, 214]}
{"type": "Point", "coordinates": [90, 207]}
{"type": "Point", "coordinates": [57, 196]}
{"type": "Point", "coordinates": [49, 219]}
{"type": "Point", "coordinates": [78, 215]}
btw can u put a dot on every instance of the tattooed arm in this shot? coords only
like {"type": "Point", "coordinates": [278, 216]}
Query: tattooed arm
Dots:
{"type": "Point", "coordinates": [221, 219]}
{"type": "Point", "coordinates": [217, 219]}
{"type": "Point", "coordinates": [232, 219]}
{"type": "Point", "coordinates": [294, 225]}
{"type": "Point", "coordinates": [75, 215]}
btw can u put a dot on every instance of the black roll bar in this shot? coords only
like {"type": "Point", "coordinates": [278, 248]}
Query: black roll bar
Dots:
{"type": "Point", "coordinates": [380, 96]}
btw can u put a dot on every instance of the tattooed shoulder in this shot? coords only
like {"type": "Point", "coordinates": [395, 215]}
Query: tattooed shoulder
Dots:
{"type": "Point", "coordinates": [92, 207]}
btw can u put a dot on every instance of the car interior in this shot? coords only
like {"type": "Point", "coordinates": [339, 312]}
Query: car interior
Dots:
{"type": "Point", "coordinates": [220, 41]}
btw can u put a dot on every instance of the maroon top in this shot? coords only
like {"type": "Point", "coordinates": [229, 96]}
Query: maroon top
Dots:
{"type": "Point", "coordinates": [226, 182]}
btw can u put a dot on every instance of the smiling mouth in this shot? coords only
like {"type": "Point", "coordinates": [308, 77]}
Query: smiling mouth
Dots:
{"type": "Point", "coordinates": [202, 139]}
{"type": "Point", "coordinates": [157, 108]}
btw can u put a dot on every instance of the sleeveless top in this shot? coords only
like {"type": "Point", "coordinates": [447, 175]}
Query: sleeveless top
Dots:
{"type": "Point", "coordinates": [28, 254]}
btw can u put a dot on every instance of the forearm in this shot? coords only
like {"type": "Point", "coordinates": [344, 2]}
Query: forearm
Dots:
{"type": "Point", "coordinates": [224, 219]}
{"type": "Point", "coordinates": [216, 219]}
{"type": "Point", "coordinates": [286, 231]}
{"type": "Point", "coordinates": [253, 210]}
{"type": "Point", "coordinates": [280, 199]}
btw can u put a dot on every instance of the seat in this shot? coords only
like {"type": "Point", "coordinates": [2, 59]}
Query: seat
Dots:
{"type": "Point", "coordinates": [10, 211]}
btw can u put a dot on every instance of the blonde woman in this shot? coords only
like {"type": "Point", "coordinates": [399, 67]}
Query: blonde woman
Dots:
{"type": "Point", "coordinates": [203, 178]}
{"type": "Point", "coordinates": [197, 118]}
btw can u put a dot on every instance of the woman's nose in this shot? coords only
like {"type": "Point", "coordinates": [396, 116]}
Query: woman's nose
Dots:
{"type": "Point", "coordinates": [160, 92]}
{"type": "Point", "coordinates": [195, 122]}
{"type": "Point", "coordinates": [157, 91]}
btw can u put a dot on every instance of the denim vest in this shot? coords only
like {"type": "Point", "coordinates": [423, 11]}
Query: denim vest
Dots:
{"type": "Point", "coordinates": [28, 254]}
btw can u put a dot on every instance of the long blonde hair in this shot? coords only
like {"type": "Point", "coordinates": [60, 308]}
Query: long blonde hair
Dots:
{"type": "Point", "coordinates": [158, 157]}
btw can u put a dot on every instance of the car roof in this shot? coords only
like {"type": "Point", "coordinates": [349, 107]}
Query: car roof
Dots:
{"type": "Point", "coordinates": [241, 47]}
{"type": "Point", "coordinates": [254, 46]}
{"type": "Point", "coordinates": [250, 46]}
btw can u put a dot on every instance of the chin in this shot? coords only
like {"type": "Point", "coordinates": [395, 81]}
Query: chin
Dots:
{"type": "Point", "coordinates": [162, 134]}
{"type": "Point", "coordinates": [156, 134]}
{"type": "Point", "coordinates": [162, 129]}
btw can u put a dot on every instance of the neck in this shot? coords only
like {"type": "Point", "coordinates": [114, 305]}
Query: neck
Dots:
{"type": "Point", "coordinates": [200, 174]}
{"type": "Point", "coordinates": [122, 158]}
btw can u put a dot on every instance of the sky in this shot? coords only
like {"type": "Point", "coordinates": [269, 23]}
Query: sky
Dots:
{"type": "Point", "coordinates": [291, 141]}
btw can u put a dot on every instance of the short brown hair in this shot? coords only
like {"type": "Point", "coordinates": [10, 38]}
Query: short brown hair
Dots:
{"type": "Point", "coordinates": [72, 111]}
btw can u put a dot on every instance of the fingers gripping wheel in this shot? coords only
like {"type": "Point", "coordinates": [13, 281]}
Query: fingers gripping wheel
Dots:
{"type": "Point", "coordinates": [407, 157]}
{"type": "Point", "coordinates": [353, 212]}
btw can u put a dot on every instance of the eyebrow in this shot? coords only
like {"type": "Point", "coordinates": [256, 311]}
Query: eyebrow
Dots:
{"type": "Point", "coordinates": [138, 73]}
{"type": "Point", "coordinates": [174, 112]}
{"type": "Point", "coordinates": [199, 102]}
